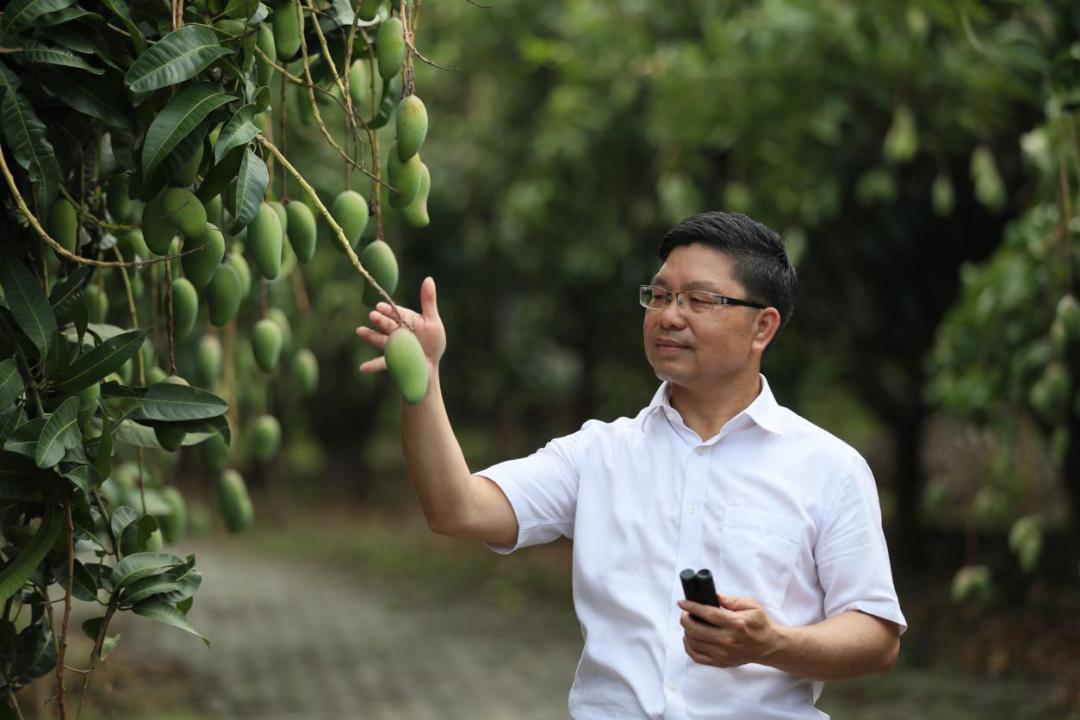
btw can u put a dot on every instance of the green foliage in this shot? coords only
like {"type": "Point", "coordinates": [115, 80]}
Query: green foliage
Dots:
{"type": "Point", "coordinates": [138, 131]}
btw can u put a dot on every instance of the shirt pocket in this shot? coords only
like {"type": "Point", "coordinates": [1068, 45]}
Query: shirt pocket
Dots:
{"type": "Point", "coordinates": [756, 553]}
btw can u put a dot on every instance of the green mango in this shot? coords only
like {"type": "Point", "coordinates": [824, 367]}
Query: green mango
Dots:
{"type": "Point", "coordinates": [942, 196]}
{"type": "Point", "coordinates": [360, 85]}
{"type": "Point", "coordinates": [185, 307]}
{"type": "Point", "coordinates": [390, 47]}
{"type": "Point", "coordinates": [301, 231]}
{"type": "Point", "coordinates": [350, 211]}
{"type": "Point", "coordinates": [1068, 316]}
{"type": "Point", "coordinates": [223, 295]}
{"type": "Point", "coordinates": [241, 9]}
{"type": "Point", "coordinates": [89, 400]}
{"type": "Point", "coordinates": [214, 211]}
{"type": "Point", "coordinates": [405, 177]}
{"type": "Point", "coordinates": [155, 375]}
{"type": "Point", "coordinates": [174, 522]}
{"type": "Point", "coordinates": [202, 255]}
{"type": "Point", "coordinates": [117, 199]}
{"type": "Point", "coordinates": [62, 223]}
{"type": "Point", "coordinates": [282, 216]}
{"type": "Point", "coordinates": [234, 502]}
{"type": "Point", "coordinates": [407, 365]}
{"type": "Point", "coordinates": [412, 126]}
{"type": "Point", "coordinates": [264, 40]}
{"type": "Point", "coordinates": [169, 437]}
{"type": "Point", "coordinates": [305, 372]}
{"type": "Point", "coordinates": [278, 316]}
{"type": "Point", "coordinates": [379, 260]}
{"type": "Point", "coordinates": [265, 437]}
{"type": "Point", "coordinates": [215, 452]}
{"type": "Point", "coordinates": [158, 232]}
{"type": "Point", "coordinates": [97, 303]}
{"type": "Point", "coordinates": [266, 344]}
{"type": "Point", "coordinates": [185, 211]}
{"type": "Point", "coordinates": [264, 238]}
{"type": "Point", "coordinates": [208, 361]}
{"type": "Point", "coordinates": [287, 29]}
{"type": "Point", "coordinates": [236, 260]}
{"type": "Point", "coordinates": [415, 214]}
{"type": "Point", "coordinates": [132, 245]}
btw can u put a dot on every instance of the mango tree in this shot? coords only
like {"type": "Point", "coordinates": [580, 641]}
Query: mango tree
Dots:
{"type": "Point", "coordinates": [142, 236]}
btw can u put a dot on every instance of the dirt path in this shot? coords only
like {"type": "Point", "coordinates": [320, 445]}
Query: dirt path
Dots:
{"type": "Point", "coordinates": [292, 641]}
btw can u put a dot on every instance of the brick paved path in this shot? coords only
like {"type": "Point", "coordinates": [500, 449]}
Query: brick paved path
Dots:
{"type": "Point", "coordinates": [292, 642]}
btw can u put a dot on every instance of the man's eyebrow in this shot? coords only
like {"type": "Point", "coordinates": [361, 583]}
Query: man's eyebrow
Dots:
{"type": "Point", "coordinates": [692, 285]}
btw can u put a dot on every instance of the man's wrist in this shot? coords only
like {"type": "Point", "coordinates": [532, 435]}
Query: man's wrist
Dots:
{"type": "Point", "coordinates": [783, 647]}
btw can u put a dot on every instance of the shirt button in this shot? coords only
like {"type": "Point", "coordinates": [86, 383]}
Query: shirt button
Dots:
{"type": "Point", "coordinates": [700, 449]}
{"type": "Point", "coordinates": [671, 686]}
{"type": "Point", "coordinates": [692, 509]}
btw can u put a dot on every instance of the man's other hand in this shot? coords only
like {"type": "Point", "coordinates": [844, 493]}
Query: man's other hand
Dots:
{"type": "Point", "coordinates": [738, 632]}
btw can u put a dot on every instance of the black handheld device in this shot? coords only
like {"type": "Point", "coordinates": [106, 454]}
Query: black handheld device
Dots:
{"type": "Point", "coordinates": [698, 587]}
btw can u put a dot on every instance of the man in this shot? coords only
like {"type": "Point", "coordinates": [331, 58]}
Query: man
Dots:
{"type": "Point", "coordinates": [712, 474]}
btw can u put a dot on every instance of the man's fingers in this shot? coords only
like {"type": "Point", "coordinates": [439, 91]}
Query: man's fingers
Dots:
{"type": "Point", "coordinates": [374, 365]}
{"type": "Point", "coordinates": [429, 306]}
{"type": "Point", "coordinates": [375, 339]}
{"type": "Point", "coordinates": [382, 321]}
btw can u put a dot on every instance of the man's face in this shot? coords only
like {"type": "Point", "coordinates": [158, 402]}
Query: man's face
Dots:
{"type": "Point", "coordinates": [708, 349]}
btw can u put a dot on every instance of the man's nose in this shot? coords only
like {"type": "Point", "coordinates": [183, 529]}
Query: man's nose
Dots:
{"type": "Point", "coordinates": [672, 315]}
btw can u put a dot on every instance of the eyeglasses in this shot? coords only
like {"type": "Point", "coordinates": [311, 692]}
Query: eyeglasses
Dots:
{"type": "Point", "coordinates": [652, 297]}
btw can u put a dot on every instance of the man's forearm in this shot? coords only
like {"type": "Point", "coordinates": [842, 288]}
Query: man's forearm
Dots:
{"type": "Point", "coordinates": [842, 647]}
{"type": "Point", "coordinates": [434, 460]}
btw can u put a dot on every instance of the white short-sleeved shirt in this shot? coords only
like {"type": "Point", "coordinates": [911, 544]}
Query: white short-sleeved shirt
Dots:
{"type": "Point", "coordinates": [778, 510]}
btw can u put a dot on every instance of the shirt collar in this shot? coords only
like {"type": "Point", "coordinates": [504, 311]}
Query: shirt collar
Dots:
{"type": "Point", "coordinates": [764, 410]}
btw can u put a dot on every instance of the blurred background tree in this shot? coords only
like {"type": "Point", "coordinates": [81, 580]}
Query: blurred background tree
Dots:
{"type": "Point", "coordinates": [882, 139]}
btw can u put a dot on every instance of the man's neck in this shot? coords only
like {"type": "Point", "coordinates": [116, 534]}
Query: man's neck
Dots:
{"type": "Point", "coordinates": [707, 410]}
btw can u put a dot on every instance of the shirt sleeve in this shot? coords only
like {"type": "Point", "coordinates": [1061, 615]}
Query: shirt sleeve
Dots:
{"type": "Point", "coordinates": [542, 488]}
{"type": "Point", "coordinates": [851, 555]}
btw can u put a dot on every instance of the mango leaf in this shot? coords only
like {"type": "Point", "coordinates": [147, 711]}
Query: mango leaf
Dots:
{"type": "Point", "coordinates": [201, 429]}
{"type": "Point", "coordinates": [180, 156]}
{"type": "Point", "coordinates": [20, 478]}
{"type": "Point", "coordinates": [84, 477]}
{"type": "Point", "coordinates": [28, 304]}
{"type": "Point", "coordinates": [43, 55]}
{"type": "Point", "coordinates": [165, 613]}
{"type": "Point", "coordinates": [121, 518]}
{"type": "Point", "coordinates": [149, 587]}
{"type": "Point", "coordinates": [178, 119]}
{"type": "Point", "coordinates": [25, 133]}
{"type": "Point", "coordinates": [60, 433]}
{"type": "Point", "coordinates": [24, 440]}
{"type": "Point", "coordinates": [120, 9]}
{"type": "Point", "coordinates": [188, 585]}
{"type": "Point", "coordinates": [11, 418]}
{"type": "Point", "coordinates": [68, 291]}
{"type": "Point", "coordinates": [11, 382]}
{"type": "Point", "coordinates": [238, 131]}
{"type": "Point", "coordinates": [250, 188]}
{"type": "Point", "coordinates": [137, 534]}
{"type": "Point", "coordinates": [99, 98]}
{"type": "Point", "coordinates": [8, 79]}
{"type": "Point", "coordinates": [36, 655]}
{"type": "Point", "coordinates": [21, 13]}
{"type": "Point", "coordinates": [107, 357]}
{"type": "Point", "coordinates": [179, 56]}
{"type": "Point", "coordinates": [139, 565]}
{"type": "Point", "coordinates": [18, 571]}
{"type": "Point", "coordinates": [83, 584]}
{"type": "Point", "coordinates": [217, 180]}
{"type": "Point", "coordinates": [60, 17]}
{"type": "Point", "coordinates": [172, 402]}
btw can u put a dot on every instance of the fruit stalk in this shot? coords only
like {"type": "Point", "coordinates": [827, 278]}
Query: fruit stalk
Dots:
{"type": "Point", "coordinates": [334, 227]}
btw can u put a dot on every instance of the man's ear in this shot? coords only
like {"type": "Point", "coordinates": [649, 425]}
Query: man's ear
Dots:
{"type": "Point", "coordinates": [766, 325]}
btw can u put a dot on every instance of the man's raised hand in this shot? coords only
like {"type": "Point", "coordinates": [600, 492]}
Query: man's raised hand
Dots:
{"type": "Point", "coordinates": [427, 325]}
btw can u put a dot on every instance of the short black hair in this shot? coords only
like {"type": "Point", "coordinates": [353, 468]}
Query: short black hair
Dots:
{"type": "Point", "coordinates": [762, 265]}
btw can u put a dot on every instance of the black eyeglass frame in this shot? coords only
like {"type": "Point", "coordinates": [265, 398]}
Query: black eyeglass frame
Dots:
{"type": "Point", "coordinates": [647, 291]}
